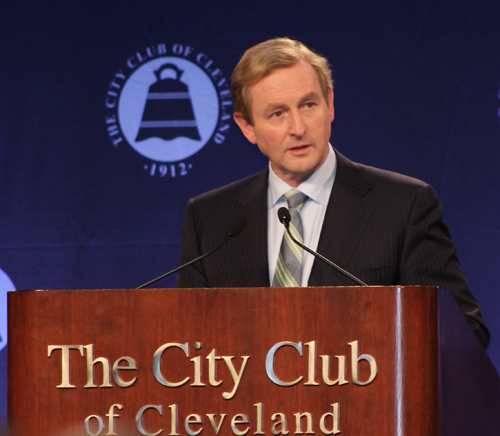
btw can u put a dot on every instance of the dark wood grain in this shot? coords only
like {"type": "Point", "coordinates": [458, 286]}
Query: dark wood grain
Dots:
{"type": "Point", "coordinates": [414, 393]}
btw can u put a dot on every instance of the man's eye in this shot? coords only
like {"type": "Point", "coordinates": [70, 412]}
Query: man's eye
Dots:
{"type": "Point", "coordinates": [277, 114]}
{"type": "Point", "coordinates": [309, 105]}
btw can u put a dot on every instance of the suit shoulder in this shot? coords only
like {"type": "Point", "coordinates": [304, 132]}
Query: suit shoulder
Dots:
{"type": "Point", "coordinates": [396, 191]}
{"type": "Point", "coordinates": [390, 178]}
{"type": "Point", "coordinates": [364, 176]}
{"type": "Point", "coordinates": [380, 186]}
{"type": "Point", "coordinates": [233, 190]}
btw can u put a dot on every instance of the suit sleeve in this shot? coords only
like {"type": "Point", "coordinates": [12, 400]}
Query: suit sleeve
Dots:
{"type": "Point", "coordinates": [429, 258]}
{"type": "Point", "coordinates": [192, 276]}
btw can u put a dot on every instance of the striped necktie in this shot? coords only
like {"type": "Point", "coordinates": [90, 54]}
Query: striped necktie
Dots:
{"type": "Point", "coordinates": [289, 266]}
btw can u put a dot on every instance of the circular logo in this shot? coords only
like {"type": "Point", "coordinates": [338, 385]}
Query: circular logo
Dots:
{"type": "Point", "coordinates": [168, 109]}
{"type": "Point", "coordinates": [5, 286]}
{"type": "Point", "coordinates": [167, 104]}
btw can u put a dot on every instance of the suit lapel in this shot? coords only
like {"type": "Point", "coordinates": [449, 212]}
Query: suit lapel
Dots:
{"type": "Point", "coordinates": [346, 217]}
{"type": "Point", "coordinates": [253, 244]}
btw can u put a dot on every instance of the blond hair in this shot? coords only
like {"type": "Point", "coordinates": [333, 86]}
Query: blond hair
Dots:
{"type": "Point", "coordinates": [262, 59]}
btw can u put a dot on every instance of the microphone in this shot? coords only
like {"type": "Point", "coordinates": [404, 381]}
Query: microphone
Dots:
{"type": "Point", "coordinates": [234, 228]}
{"type": "Point", "coordinates": [284, 217]}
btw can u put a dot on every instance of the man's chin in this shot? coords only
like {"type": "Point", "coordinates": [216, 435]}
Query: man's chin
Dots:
{"type": "Point", "coordinates": [294, 176]}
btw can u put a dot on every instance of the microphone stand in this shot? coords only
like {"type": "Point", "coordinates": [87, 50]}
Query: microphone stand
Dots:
{"type": "Point", "coordinates": [284, 217]}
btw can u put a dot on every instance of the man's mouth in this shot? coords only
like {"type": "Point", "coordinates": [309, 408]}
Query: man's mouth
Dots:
{"type": "Point", "coordinates": [299, 147]}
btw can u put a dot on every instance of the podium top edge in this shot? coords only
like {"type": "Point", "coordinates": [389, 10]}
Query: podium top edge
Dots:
{"type": "Point", "coordinates": [242, 289]}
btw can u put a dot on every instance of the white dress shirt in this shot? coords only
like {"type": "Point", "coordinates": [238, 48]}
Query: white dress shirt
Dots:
{"type": "Point", "coordinates": [318, 188]}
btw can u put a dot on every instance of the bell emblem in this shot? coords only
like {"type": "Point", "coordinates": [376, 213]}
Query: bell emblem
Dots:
{"type": "Point", "coordinates": [168, 111]}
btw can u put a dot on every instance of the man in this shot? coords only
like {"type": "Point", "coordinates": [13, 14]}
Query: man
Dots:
{"type": "Point", "coordinates": [385, 228]}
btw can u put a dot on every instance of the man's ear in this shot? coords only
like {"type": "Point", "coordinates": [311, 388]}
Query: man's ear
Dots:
{"type": "Point", "coordinates": [245, 127]}
{"type": "Point", "coordinates": [330, 105]}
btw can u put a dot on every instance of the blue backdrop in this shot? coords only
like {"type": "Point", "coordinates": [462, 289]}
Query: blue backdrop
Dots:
{"type": "Point", "coordinates": [86, 203]}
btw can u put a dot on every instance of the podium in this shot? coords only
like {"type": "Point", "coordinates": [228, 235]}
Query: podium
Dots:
{"type": "Point", "coordinates": [348, 360]}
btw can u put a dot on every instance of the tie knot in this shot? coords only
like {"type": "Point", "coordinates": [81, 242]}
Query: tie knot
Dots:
{"type": "Point", "coordinates": [295, 199]}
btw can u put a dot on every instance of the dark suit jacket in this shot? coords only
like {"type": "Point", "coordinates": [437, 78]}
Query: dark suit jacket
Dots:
{"type": "Point", "coordinates": [383, 227]}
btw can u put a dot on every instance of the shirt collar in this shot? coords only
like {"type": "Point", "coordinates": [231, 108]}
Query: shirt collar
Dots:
{"type": "Point", "coordinates": [317, 187]}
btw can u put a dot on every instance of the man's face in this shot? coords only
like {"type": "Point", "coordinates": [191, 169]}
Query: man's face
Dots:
{"type": "Point", "coordinates": [291, 121]}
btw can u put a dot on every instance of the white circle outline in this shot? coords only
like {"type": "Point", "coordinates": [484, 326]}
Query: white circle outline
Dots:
{"type": "Point", "coordinates": [5, 286]}
{"type": "Point", "coordinates": [204, 99]}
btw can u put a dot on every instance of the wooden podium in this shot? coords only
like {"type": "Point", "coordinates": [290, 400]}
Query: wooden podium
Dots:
{"type": "Point", "coordinates": [349, 360]}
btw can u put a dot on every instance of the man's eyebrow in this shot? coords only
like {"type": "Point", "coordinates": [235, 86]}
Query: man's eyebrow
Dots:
{"type": "Point", "coordinates": [311, 96]}
{"type": "Point", "coordinates": [273, 107]}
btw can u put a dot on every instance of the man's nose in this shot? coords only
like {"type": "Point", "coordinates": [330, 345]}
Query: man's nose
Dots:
{"type": "Point", "coordinates": [297, 124]}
